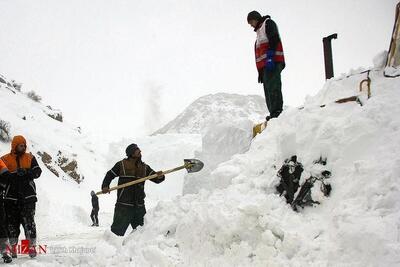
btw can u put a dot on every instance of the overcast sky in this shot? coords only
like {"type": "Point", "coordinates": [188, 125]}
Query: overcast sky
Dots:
{"type": "Point", "coordinates": [125, 68]}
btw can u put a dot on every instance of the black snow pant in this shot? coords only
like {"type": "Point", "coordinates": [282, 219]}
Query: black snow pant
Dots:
{"type": "Point", "coordinates": [273, 90]}
{"type": "Point", "coordinates": [125, 216]}
{"type": "Point", "coordinates": [17, 214]}
{"type": "Point", "coordinates": [95, 216]}
{"type": "Point", "coordinates": [3, 229]}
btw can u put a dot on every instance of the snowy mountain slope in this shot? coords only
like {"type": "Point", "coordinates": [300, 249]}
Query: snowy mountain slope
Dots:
{"type": "Point", "coordinates": [63, 205]}
{"type": "Point", "coordinates": [214, 109]}
{"type": "Point", "coordinates": [44, 133]}
{"type": "Point", "coordinates": [247, 223]}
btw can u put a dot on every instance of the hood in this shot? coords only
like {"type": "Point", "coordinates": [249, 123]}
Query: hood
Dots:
{"type": "Point", "coordinates": [17, 140]}
{"type": "Point", "coordinates": [261, 22]}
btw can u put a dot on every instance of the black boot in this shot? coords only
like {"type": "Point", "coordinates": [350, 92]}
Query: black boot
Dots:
{"type": "Point", "coordinates": [32, 252]}
{"type": "Point", "coordinates": [6, 257]}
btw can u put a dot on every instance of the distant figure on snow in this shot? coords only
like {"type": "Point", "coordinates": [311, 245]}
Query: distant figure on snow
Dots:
{"type": "Point", "coordinates": [270, 60]}
{"type": "Point", "coordinates": [95, 209]}
{"type": "Point", "coordinates": [130, 206]}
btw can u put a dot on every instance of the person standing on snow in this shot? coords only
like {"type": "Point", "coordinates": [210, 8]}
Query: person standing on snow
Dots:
{"type": "Point", "coordinates": [95, 209]}
{"type": "Point", "coordinates": [270, 60]}
{"type": "Point", "coordinates": [130, 206]}
{"type": "Point", "coordinates": [20, 194]}
{"type": "Point", "coordinates": [4, 244]}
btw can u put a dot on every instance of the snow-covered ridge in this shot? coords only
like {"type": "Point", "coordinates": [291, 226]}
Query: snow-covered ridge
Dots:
{"type": "Point", "coordinates": [214, 109]}
{"type": "Point", "coordinates": [60, 146]}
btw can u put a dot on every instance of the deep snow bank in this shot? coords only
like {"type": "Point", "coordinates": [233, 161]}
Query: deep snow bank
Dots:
{"type": "Point", "coordinates": [248, 224]}
{"type": "Point", "coordinates": [219, 143]}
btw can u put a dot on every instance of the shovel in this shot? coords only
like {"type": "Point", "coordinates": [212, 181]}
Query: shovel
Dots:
{"type": "Point", "coordinates": [191, 165]}
{"type": "Point", "coordinates": [258, 128]}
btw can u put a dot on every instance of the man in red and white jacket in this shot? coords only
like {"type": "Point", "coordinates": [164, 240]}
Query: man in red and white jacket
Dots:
{"type": "Point", "coordinates": [270, 60]}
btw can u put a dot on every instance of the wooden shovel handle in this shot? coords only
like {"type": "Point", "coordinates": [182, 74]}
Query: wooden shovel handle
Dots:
{"type": "Point", "coordinates": [144, 179]}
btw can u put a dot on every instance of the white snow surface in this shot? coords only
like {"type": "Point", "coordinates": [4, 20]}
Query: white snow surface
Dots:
{"type": "Point", "coordinates": [219, 143]}
{"type": "Point", "coordinates": [237, 219]}
{"type": "Point", "coordinates": [248, 224]}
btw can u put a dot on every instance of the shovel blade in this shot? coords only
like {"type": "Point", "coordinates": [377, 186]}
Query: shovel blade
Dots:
{"type": "Point", "coordinates": [193, 165]}
{"type": "Point", "coordinates": [258, 128]}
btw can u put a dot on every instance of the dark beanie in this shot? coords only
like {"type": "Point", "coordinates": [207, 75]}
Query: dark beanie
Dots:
{"type": "Point", "coordinates": [131, 149]}
{"type": "Point", "coordinates": [254, 15]}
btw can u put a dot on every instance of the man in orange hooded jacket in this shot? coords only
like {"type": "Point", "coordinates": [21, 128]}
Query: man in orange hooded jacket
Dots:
{"type": "Point", "coordinates": [20, 193]}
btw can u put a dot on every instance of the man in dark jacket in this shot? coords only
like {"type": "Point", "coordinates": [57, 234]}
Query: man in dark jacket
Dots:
{"type": "Point", "coordinates": [20, 194]}
{"type": "Point", "coordinates": [95, 209]}
{"type": "Point", "coordinates": [130, 206]}
{"type": "Point", "coordinates": [270, 60]}
{"type": "Point", "coordinates": [4, 244]}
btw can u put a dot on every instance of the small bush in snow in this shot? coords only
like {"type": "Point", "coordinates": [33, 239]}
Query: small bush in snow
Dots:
{"type": "Point", "coordinates": [16, 85]}
{"type": "Point", "coordinates": [56, 116]}
{"type": "Point", "coordinates": [4, 131]}
{"type": "Point", "coordinates": [35, 97]}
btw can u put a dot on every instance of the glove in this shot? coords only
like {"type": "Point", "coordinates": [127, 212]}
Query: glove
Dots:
{"type": "Point", "coordinates": [270, 63]}
{"type": "Point", "coordinates": [159, 173]}
{"type": "Point", "coordinates": [24, 175]}
{"type": "Point", "coordinates": [105, 190]}
{"type": "Point", "coordinates": [260, 75]}
{"type": "Point", "coordinates": [4, 180]}
{"type": "Point", "coordinates": [30, 174]}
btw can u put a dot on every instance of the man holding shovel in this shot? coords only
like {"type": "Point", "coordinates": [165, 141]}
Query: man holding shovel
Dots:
{"type": "Point", "coordinates": [130, 206]}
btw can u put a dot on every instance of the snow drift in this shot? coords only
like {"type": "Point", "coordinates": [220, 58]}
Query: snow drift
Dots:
{"type": "Point", "coordinates": [225, 123]}
{"type": "Point", "coordinates": [247, 223]}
